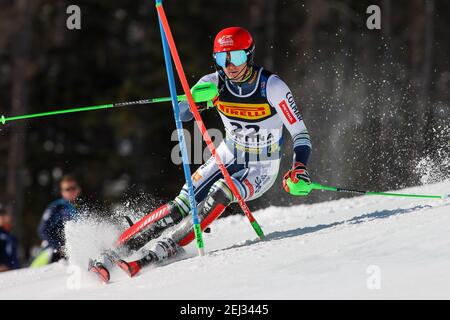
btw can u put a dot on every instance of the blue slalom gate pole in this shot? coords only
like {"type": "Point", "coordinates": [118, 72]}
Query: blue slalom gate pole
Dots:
{"type": "Point", "coordinates": [179, 125]}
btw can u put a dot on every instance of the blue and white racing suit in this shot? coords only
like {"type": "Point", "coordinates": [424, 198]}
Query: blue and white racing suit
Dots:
{"type": "Point", "coordinates": [253, 114]}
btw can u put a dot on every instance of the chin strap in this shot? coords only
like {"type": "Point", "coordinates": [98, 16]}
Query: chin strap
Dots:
{"type": "Point", "coordinates": [248, 70]}
{"type": "Point", "coordinates": [250, 73]}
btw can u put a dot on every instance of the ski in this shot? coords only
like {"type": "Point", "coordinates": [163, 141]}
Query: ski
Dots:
{"type": "Point", "coordinates": [100, 271]}
{"type": "Point", "coordinates": [166, 248]}
{"type": "Point", "coordinates": [102, 264]}
{"type": "Point", "coordinates": [145, 222]}
{"type": "Point", "coordinates": [130, 268]}
{"type": "Point", "coordinates": [98, 265]}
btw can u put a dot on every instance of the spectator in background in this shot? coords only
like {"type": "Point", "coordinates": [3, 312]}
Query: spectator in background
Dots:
{"type": "Point", "coordinates": [8, 243]}
{"type": "Point", "coordinates": [51, 227]}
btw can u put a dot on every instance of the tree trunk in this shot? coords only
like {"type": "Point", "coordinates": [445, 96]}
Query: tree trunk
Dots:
{"type": "Point", "coordinates": [19, 97]}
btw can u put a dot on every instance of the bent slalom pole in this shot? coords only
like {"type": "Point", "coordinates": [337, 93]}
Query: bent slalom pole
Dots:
{"type": "Point", "coordinates": [184, 154]}
{"type": "Point", "coordinates": [199, 121]}
{"type": "Point", "coordinates": [302, 188]}
{"type": "Point", "coordinates": [203, 92]}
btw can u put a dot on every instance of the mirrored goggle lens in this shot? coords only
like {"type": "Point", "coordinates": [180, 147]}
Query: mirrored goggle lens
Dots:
{"type": "Point", "coordinates": [236, 57]}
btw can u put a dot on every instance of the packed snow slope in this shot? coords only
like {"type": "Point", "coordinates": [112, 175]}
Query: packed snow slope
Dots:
{"type": "Point", "coordinates": [367, 247]}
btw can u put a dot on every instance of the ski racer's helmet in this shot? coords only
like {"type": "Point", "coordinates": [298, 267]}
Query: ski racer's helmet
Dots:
{"type": "Point", "coordinates": [238, 42]}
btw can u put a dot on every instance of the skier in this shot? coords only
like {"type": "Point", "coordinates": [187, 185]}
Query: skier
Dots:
{"type": "Point", "coordinates": [253, 104]}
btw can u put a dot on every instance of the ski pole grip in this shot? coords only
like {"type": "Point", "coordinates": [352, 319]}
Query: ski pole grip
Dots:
{"type": "Point", "coordinates": [3, 120]}
{"type": "Point", "coordinates": [301, 188]}
{"type": "Point", "coordinates": [204, 92]}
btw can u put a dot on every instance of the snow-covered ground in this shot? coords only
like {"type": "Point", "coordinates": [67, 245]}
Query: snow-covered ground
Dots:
{"type": "Point", "coordinates": [366, 247]}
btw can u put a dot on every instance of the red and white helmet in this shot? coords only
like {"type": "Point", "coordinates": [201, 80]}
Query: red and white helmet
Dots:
{"type": "Point", "coordinates": [234, 39]}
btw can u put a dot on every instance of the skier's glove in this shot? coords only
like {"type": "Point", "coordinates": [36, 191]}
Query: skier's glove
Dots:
{"type": "Point", "coordinates": [297, 173]}
{"type": "Point", "coordinates": [185, 112]}
{"type": "Point", "coordinates": [202, 106]}
{"type": "Point", "coordinates": [207, 104]}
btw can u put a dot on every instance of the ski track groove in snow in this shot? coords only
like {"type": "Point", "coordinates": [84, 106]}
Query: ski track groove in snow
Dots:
{"type": "Point", "coordinates": [311, 251]}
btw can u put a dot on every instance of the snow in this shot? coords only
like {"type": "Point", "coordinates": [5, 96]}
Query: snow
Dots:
{"type": "Point", "coordinates": [367, 247]}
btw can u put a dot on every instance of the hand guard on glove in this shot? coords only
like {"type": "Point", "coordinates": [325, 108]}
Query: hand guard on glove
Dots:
{"type": "Point", "coordinates": [296, 173]}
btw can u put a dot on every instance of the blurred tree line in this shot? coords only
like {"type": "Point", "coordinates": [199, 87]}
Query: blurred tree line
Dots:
{"type": "Point", "coordinates": [375, 101]}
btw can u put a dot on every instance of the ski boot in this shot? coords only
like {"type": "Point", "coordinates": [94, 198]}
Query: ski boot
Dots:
{"type": "Point", "coordinates": [163, 250]}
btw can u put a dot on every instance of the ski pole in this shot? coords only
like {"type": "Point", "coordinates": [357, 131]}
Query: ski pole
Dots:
{"type": "Point", "coordinates": [199, 121]}
{"type": "Point", "coordinates": [184, 154]}
{"type": "Point", "coordinates": [203, 92]}
{"type": "Point", "coordinates": [302, 188]}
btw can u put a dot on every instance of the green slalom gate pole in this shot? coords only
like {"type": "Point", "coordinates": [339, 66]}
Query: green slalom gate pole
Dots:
{"type": "Point", "coordinates": [302, 188]}
{"type": "Point", "coordinates": [202, 92]}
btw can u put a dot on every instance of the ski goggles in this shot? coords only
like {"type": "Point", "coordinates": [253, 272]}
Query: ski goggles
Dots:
{"type": "Point", "coordinates": [237, 58]}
